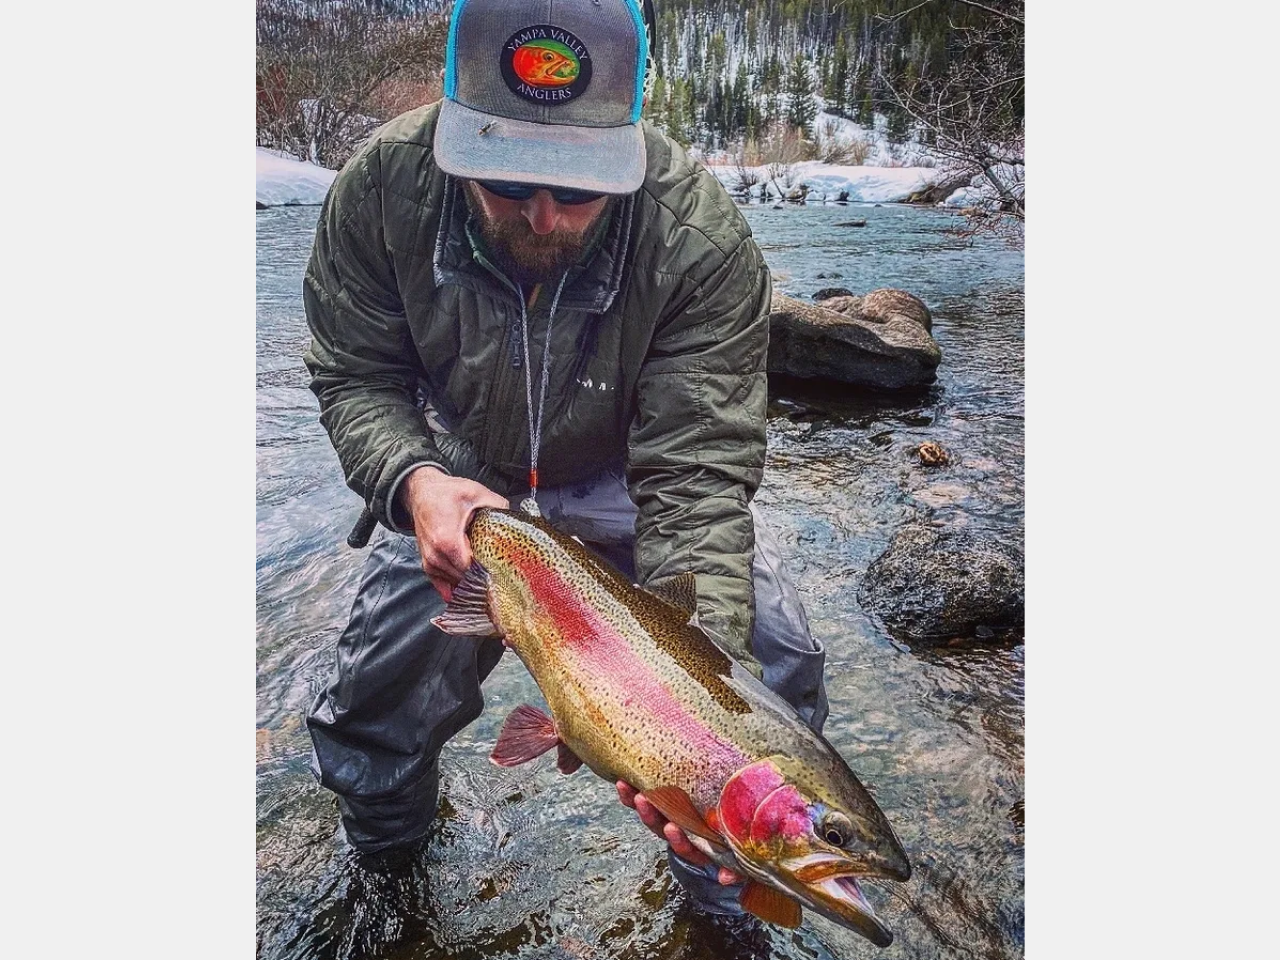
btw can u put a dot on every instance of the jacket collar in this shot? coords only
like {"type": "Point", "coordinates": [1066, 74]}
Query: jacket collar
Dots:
{"type": "Point", "coordinates": [591, 287]}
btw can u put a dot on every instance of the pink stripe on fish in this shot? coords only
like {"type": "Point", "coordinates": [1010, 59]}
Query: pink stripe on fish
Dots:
{"type": "Point", "coordinates": [605, 653]}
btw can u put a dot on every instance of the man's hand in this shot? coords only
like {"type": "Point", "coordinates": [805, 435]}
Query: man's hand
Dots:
{"type": "Point", "coordinates": [441, 506]}
{"type": "Point", "coordinates": [661, 827]}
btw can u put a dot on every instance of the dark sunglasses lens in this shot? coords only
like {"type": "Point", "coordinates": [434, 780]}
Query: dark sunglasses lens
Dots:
{"type": "Point", "coordinates": [523, 191]}
{"type": "Point", "coordinates": [574, 197]}
{"type": "Point", "coordinates": [509, 191]}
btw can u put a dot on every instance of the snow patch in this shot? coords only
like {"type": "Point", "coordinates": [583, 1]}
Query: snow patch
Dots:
{"type": "Point", "coordinates": [827, 181]}
{"type": "Point", "coordinates": [285, 181]}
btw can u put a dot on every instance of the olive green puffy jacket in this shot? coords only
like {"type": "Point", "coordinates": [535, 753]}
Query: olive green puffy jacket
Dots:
{"type": "Point", "coordinates": [657, 356]}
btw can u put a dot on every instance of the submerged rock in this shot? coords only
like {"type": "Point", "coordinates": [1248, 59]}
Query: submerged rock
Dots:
{"type": "Point", "coordinates": [826, 293]}
{"type": "Point", "coordinates": [932, 454]}
{"type": "Point", "coordinates": [937, 583]}
{"type": "Point", "coordinates": [880, 347]}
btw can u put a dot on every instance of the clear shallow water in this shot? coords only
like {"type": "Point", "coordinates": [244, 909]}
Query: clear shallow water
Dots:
{"type": "Point", "coordinates": [526, 863]}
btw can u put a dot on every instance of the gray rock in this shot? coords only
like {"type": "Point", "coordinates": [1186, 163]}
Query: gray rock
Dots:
{"type": "Point", "coordinates": [849, 304]}
{"type": "Point", "coordinates": [887, 302]}
{"type": "Point", "coordinates": [891, 351]}
{"type": "Point", "coordinates": [261, 205]}
{"type": "Point", "coordinates": [851, 223]}
{"type": "Point", "coordinates": [826, 293]}
{"type": "Point", "coordinates": [936, 583]}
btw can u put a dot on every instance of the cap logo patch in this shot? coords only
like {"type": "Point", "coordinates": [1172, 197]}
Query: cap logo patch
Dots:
{"type": "Point", "coordinates": [545, 64]}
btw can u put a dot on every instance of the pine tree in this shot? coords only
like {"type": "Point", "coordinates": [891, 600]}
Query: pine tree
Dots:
{"type": "Point", "coordinates": [656, 107]}
{"type": "Point", "coordinates": [838, 85]}
{"type": "Point", "coordinates": [739, 104]}
{"type": "Point", "coordinates": [863, 104]}
{"type": "Point", "coordinates": [770, 92]}
{"type": "Point", "coordinates": [801, 110]}
{"type": "Point", "coordinates": [899, 120]}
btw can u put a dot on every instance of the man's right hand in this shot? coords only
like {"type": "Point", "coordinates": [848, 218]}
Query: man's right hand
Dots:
{"type": "Point", "coordinates": [441, 507]}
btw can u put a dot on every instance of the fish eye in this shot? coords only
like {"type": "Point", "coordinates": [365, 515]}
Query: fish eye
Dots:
{"type": "Point", "coordinates": [836, 829]}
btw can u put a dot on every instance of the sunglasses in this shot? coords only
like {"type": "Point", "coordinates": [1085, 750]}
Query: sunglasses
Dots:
{"type": "Point", "coordinates": [523, 191]}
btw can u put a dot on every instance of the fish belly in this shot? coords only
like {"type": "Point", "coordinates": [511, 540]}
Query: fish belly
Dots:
{"type": "Point", "coordinates": [614, 708]}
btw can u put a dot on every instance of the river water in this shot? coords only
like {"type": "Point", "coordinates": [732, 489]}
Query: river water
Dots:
{"type": "Point", "coordinates": [526, 863]}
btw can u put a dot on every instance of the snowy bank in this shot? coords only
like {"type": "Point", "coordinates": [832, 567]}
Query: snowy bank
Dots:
{"type": "Point", "coordinates": [827, 180]}
{"type": "Point", "coordinates": [285, 181]}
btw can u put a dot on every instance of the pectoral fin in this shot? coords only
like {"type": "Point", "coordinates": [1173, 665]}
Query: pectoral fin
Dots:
{"type": "Point", "coordinates": [527, 733]}
{"type": "Point", "coordinates": [675, 805]}
{"type": "Point", "coordinates": [467, 614]}
{"type": "Point", "coordinates": [770, 905]}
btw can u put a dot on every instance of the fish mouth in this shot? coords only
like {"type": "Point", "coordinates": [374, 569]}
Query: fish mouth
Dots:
{"type": "Point", "coordinates": [830, 886]}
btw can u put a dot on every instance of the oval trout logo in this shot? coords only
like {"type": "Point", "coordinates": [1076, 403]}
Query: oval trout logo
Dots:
{"type": "Point", "coordinates": [545, 64]}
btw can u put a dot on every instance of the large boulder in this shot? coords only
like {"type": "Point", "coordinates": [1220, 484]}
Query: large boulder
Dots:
{"type": "Point", "coordinates": [937, 583]}
{"type": "Point", "coordinates": [878, 306]}
{"type": "Point", "coordinates": [886, 345]}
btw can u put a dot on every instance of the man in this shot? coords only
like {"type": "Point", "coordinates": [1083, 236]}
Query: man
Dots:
{"type": "Point", "coordinates": [525, 291]}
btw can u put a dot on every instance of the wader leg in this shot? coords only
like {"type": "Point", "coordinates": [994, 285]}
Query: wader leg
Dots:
{"type": "Point", "coordinates": [603, 516]}
{"type": "Point", "coordinates": [401, 688]}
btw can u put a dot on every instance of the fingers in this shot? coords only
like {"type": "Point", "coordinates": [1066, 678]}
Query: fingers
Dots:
{"type": "Point", "coordinates": [626, 793]}
{"type": "Point", "coordinates": [442, 572]}
{"type": "Point", "coordinates": [681, 845]}
{"type": "Point", "coordinates": [649, 815]}
{"type": "Point", "coordinates": [441, 507]}
{"type": "Point", "coordinates": [660, 826]}
{"type": "Point", "coordinates": [487, 498]}
{"type": "Point", "coordinates": [443, 587]}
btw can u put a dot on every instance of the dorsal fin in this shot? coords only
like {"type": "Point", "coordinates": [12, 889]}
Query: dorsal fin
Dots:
{"type": "Point", "coordinates": [681, 591]}
{"type": "Point", "coordinates": [770, 905]}
{"type": "Point", "coordinates": [467, 614]}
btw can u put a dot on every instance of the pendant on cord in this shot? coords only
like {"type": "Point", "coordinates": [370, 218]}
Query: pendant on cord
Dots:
{"type": "Point", "coordinates": [529, 505]}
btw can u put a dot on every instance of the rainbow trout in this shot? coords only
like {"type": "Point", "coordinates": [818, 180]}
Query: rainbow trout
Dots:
{"type": "Point", "coordinates": [639, 693]}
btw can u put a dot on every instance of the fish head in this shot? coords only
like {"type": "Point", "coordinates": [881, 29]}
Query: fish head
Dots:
{"type": "Point", "coordinates": [515, 550]}
{"type": "Point", "coordinates": [546, 63]}
{"type": "Point", "coordinates": [812, 834]}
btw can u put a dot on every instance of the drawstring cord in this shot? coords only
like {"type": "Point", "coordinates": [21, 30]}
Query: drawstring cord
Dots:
{"type": "Point", "coordinates": [530, 504]}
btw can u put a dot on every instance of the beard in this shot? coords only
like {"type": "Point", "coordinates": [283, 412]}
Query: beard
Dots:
{"type": "Point", "coordinates": [526, 257]}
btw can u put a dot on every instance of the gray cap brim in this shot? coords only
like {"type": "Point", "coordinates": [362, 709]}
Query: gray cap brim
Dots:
{"type": "Point", "coordinates": [597, 159]}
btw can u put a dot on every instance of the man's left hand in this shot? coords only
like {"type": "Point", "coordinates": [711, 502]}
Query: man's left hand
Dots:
{"type": "Point", "coordinates": [660, 826]}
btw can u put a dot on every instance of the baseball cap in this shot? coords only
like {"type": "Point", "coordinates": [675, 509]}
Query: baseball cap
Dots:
{"type": "Point", "coordinates": [545, 91]}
